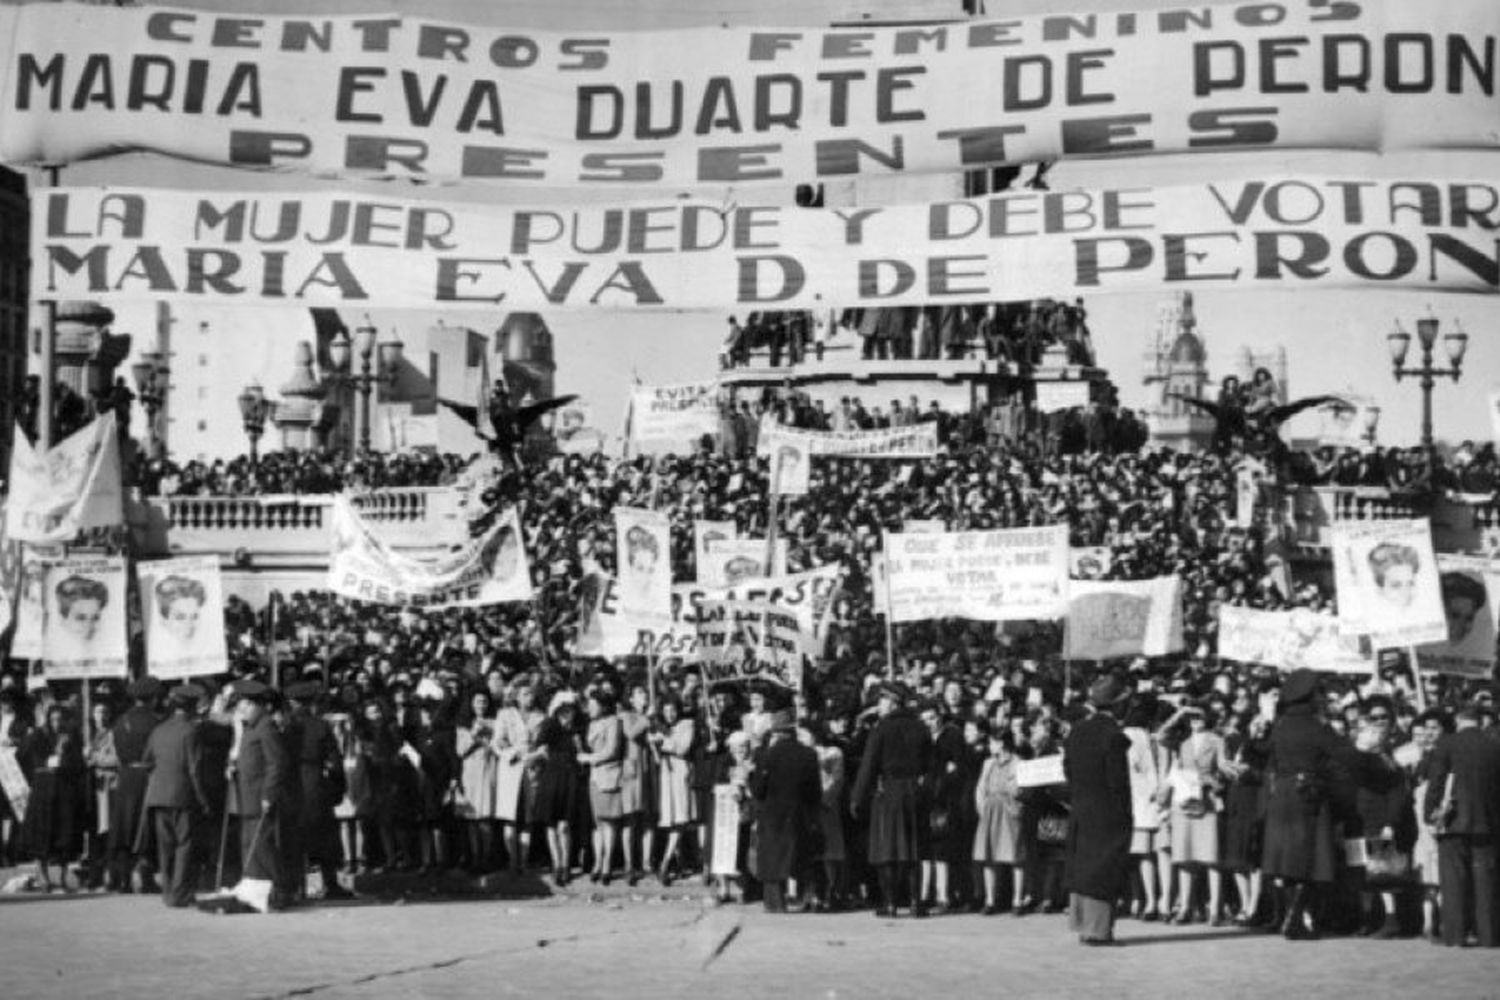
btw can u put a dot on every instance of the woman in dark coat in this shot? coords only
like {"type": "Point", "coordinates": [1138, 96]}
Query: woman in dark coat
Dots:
{"type": "Point", "coordinates": [1383, 800]}
{"type": "Point", "coordinates": [1301, 769]}
{"type": "Point", "coordinates": [551, 781]}
{"type": "Point", "coordinates": [56, 809]}
{"type": "Point", "coordinates": [1044, 825]}
{"type": "Point", "coordinates": [1245, 814]}
{"type": "Point", "coordinates": [1096, 858]}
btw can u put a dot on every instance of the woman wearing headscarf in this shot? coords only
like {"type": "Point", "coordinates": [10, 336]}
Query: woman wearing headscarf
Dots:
{"type": "Point", "coordinates": [1302, 765]}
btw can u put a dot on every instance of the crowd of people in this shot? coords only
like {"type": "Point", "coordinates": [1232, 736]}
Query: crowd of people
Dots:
{"type": "Point", "coordinates": [477, 738]}
{"type": "Point", "coordinates": [1015, 332]}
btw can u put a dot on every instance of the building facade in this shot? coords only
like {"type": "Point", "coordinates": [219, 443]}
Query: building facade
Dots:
{"type": "Point", "coordinates": [15, 279]}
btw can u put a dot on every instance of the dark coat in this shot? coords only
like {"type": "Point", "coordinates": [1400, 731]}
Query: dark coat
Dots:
{"type": "Point", "coordinates": [131, 734]}
{"type": "Point", "coordinates": [263, 770]}
{"type": "Point", "coordinates": [1096, 857]}
{"type": "Point", "coordinates": [788, 792]}
{"type": "Point", "coordinates": [1302, 769]}
{"type": "Point", "coordinates": [321, 784]}
{"type": "Point", "coordinates": [1473, 759]}
{"type": "Point", "coordinates": [896, 760]}
{"type": "Point", "coordinates": [174, 756]}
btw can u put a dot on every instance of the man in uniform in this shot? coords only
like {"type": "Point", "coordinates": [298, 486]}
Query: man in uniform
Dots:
{"type": "Point", "coordinates": [788, 791]}
{"type": "Point", "coordinates": [261, 771]}
{"type": "Point", "coordinates": [896, 759]}
{"type": "Point", "coordinates": [175, 796]}
{"type": "Point", "coordinates": [1096, 857]}
{"type": "Point", "coordinates": [320, 768]}
{"type": "Point", "coordinates": [127, 813]}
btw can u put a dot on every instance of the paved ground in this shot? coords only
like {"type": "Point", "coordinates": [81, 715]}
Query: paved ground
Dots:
{"type": "Point", "coordinates": [642, 945]}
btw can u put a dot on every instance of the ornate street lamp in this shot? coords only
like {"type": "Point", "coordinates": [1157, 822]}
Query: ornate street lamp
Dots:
{"type": "Point", "coordinates": [254, 409]}
{"type": "Point", "coordinates": [152, 376]}
{"type": "Point", "coordinates": [1456, 342]}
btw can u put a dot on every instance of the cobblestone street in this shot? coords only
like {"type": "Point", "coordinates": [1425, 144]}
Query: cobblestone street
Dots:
{"type": "Point", "coordinates": [643, 945]}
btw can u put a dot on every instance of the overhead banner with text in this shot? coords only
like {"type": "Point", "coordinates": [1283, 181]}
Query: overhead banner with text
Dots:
{"type": "Point", "coordinates": [915, 441]}
{"type": "Point", "coordinates": [382, 95]}
{"type": "Point", "coordinates": [1006, 575]}
{"type": "Point", "coordinates": [327, 249]}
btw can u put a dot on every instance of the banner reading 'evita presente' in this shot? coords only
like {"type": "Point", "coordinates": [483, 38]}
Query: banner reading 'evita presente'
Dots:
{"type": "Point", "coordinates": [327, 249]}
{"type": "Point", "coordinates": [383, 95]}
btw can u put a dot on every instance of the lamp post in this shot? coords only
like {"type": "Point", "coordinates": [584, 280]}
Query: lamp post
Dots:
{"type": "Point", "coordinates": [377, 366]}
{"type": "Point", "coordinates": [254, 409]}
{"type": "Point", "coordinates": [1456, 342]}
{"type": "Point", "coordinates": [151, 374]}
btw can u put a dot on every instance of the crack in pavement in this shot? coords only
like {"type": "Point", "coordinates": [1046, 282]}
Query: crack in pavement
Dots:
{"type": "Point", "coordinates": [447, 963]}
{"type": "Point", "coordinates": [723, 944]}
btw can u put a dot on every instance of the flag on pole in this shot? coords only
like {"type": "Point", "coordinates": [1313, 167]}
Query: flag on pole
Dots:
{"type": "Point", "coordinates": [57, 492]}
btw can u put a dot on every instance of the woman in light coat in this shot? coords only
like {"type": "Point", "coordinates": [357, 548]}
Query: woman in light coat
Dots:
{"type": "Point", "coordinates": [1196, 777]}
{"type": "Point", "coordinates": [515, 731]}
{"type": "Point", "coordinates": [1150, 835]}
{"type": "Point", "coordinates": [606, 759]}
{"type": "Point", "coordinates": [677, 806]}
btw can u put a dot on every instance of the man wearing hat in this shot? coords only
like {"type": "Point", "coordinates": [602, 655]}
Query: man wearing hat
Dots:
{"type": "Point", "coordinates": [788, 788]}
{"type": "Point", "coordinates": [175, 797]}
{"type": "Point", "coordinates": [1463, 802]}
{"type": "Point", "coordinates": [262, 776]}
{"type": "Point", "coordinates": [322, 784]}
{"type": "Point", "coordinates": [127, 815]}
{"type": "Point", "coordinates": [897, 756]}
{"type": "Point", "coordinates": [1096, 857]}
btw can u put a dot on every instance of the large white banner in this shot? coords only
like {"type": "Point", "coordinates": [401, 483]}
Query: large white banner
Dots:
{"type": "Point", "coordinates": [730, 562]}
{"type": "Point", "coordinates": [182, 602]}
{"type": "Point", "coordinates": [1470, 588]}
{"type": "Point", "coordinates": [59, 491]}
{"type": "Point", "coordinates": [672, 418]}
{"type": "Point", "coordinates": [915, 441]}
{"type": "Point", "coordinates": [1291, 640]}
{"type": "Point", "coordinates": [1114, 618]}
{"type": "Point", "coordinates": [83, 635]}
{"type": "Point", "coordinates": [1386, 577]}
{"type": "Point", "coordinates": [644, 564]}
{"type": "Point", "coordinates": [490, 570]}
{"type": "Point", "coordinates": [343, 250]}
{"type": "Point", "coordinates": [790, 468]}
{"type": "Point", "coordinates": [1054, 396]}
{"type": "Point", "coordinates": [389, 96]}
{"type": "Point", "coordinates": [31, 605]}
{"type": "Point", "coordinates": [1005, 575]}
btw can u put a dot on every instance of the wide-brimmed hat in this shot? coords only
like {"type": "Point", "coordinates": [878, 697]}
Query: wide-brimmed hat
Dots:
{"type": "Point", "coordinates": [1300, 685]}
{"type": "Point", "coordinates": [250, 690]}
{"type": "Point", "coordinates": [186, 694]}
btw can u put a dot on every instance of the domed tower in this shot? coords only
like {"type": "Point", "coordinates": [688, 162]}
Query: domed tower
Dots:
{"type": "Point", "coordinates": [1179, 368]}
{"type": "Point", "coordinates": [299, 415]}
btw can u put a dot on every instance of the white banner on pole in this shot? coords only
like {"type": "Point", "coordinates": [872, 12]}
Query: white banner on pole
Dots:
{"type": "Point", "coordinates": [489, 570]}
{"type": "Point", "coordinates": [644, 561]}
{"type": "Point", "coordinates": [706, 534]}
{"type": "Point", "coordinates": [1386, 577]}
{"type": "Point", "coordinates": [914, 441]}
{"type": "Point", "coordinates": [1004, 575]}
{"type": "Point", "coordinates": [1470, 587]}
{"type": "Point", "coordinates": [1291, 640]}
{"type": "Point", "coordinates": [1114, 618]}
{"type": "Point", "coordinates": [83, 635]}
{"type": "Point", "coordinates": [182, 602]}
{"type": "Point", "coordinates": [726, 831]}
{"type": "Point", "coordinates": [386, 95]}
{"type": "Point", "coordinates": [671, 419]}
{"type": "Point", "coordinates": [59, 491]}
{"type": "Point", "coordinates": [751, 640]}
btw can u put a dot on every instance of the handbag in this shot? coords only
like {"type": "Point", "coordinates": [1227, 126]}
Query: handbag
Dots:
{"type": "Point", "coordinates": [1052, 830]}
{"type": "Point", "coordinates": [1385, 864]}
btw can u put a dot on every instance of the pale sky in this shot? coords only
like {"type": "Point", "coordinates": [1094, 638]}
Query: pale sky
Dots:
{"type": "Point", "coordinates": [1335, 340]}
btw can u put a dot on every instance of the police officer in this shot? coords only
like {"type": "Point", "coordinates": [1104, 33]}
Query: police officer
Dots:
{"type": "Point", "coordinates": [320, 768]}
{"type": "Point", "coordinates": [128, 813]}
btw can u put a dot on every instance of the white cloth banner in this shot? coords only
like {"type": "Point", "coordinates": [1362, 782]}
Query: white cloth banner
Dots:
{"type": "Point", "coordinates": [182, 602]}
{"type": "Point", "coordinates": [31, 605]}
{"type": "Point", "coordinates": [13, 782]}
{"type": "Point", "coordinates": [644, 560]}
{"type": "Point", "coordinates": [384, 95]}
{"type": "Point", "coordinates": [672, 418]}
{"type": "Point", "coordinates": [75, 484]}
{"type": "Point", "coordinates": [1275, 233]}
{"type": "Point", "coordinates": [1386, 578]}
{"type": "Point", "coordinates": [1291, 640]}
{"type": "Point", "coordinates": [83, 635]}
{"type": "Point", "coordinates": [732, 561]}
{"type": "Point", "coordinates": [1111, 618]}
{"type": "Point", "coordinates": [1005, 575]}
{"type": "Point", "coordinates": [726, 832]}
{"type": "Point", "coordinates": [1054, 396]}
{"type": "Point", "coordinates": [488, 570]}
{"type": "Point", "coordinates": [914, 441]}
{"type": "Point", "coordinates": [1470, 587]}
{"type": "Point", "coordinates": [705, 535]}
{"type": "Point", "coordinates": [750, 640]}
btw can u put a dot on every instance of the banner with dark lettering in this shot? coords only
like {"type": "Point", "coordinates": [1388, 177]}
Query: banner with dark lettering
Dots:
{"type": "Point", "coordinates": [750, 640]}
{"type": "Point", "coordinates": [382, 95]}
{"type": "Point", "coordinates": [1114, 618]}
{"type": "Point", "coordinates": [914, 441]}
{"type": "Point", "coordinates": [121, 245]}
{"type": "Point", "coordinates": [492, 569]}
{"type": "Point", "coordinates": [1005, 575]}
{"type": "Point", "coordinates": [671, 419]}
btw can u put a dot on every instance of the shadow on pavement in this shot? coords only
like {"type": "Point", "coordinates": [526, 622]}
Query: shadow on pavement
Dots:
{"type": "Point", "coordinates": [1227, 935]}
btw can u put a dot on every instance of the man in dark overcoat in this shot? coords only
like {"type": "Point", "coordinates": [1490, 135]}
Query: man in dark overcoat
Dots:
{"type": "Point", "coordinates": [175, 797]}
{"type": "Point", "coordinates": [127, 814]}
{"type": "Point", "coordinates": [1096, 857]}
{"type": "Point", "coordinates": [321, 784]}
{"type": "Point", "coordinates": [261, 766]}
{"type": "Point", "coordinates": [896, 760]}
{"type": "Point", "coordinates": [788, 792]}
{"type": "Point", "coordinates": [1463, 802]}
